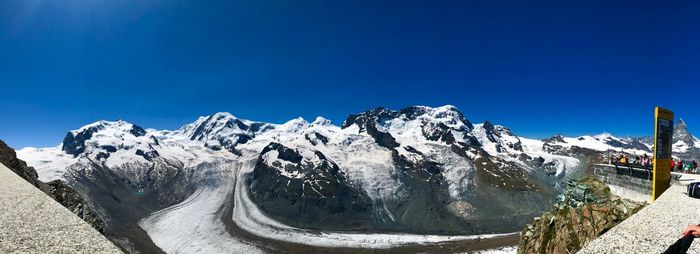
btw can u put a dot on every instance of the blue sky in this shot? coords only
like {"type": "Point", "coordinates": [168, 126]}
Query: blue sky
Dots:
{"type": "Point", "coordinates": [540, 68]}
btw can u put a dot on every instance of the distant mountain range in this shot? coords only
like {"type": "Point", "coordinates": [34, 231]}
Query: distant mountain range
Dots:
{"type": "Point", "coordinates": [416, 171]}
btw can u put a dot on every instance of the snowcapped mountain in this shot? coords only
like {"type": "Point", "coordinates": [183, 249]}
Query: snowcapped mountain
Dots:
{"type": "Point", "coordinates": [601, 143]}
{"type": "Point", "coordinates": [222, 131]}
{"type": "Point", "coordinates": [417, 170]}
{"type": "Point", "coordinates": [685, 145]}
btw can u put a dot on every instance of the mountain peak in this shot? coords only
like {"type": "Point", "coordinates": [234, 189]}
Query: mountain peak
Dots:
{"type": "Point", "coordinates": [295, 125]}
{"type": "Point", "coordinates": [681, 124]}
{"type": "Point", "coordinates": [682, 134]}
{"type": "Point", "coordinates": [321, 121]}
{"type": "Point", "coordinates": [555, 139]}
{"type": "Point", "coordinates": [369, 116]}
{"type": "Point", "coordinates": [206, 126]}
{"type": "Point", "coordinates": [448, 108]}
{"type": "Point", "coordinates": [488, 125]}
{"type": "Point", "coordinates": [74, 141]}
{"type": "Point", "coordinates": [604, 135]}
{"type": "Point", "coordinates": [102, 124]}
{"type": "Point", "coordinates": [223, 115]}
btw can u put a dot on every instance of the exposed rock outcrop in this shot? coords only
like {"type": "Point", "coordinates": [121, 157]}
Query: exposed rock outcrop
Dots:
{"type": "Point", "coordinates": [583, 212]}
{"type": "Point", "coordinates": [309, 191]}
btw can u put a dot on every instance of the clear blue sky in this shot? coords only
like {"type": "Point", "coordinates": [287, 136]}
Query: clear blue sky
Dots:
{"type": "Point", "coordinates": [571, 67]}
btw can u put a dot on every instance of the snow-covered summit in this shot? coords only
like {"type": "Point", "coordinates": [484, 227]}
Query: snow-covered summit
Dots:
{"type": "Point", "coordinates": [103, 124]}
{"type": "Point", "coordinates": [683, 140]}
{"type": "Point", "coordinates": [447, 115]}
{"type": "Point", "coordinates": [321, 121]}
{"type": "Point", "coordinates": [497, 139]}
{"type": "Point", "coordinates": [221, 124]}
{"type": "Point", "coordinates": [222, 130]}
{"type": "Point", "coordinates": [102, 134]}
{"type": "Point", "coordinates": [601, 143]}
{"type": "Point", "coordinates": [295, 125]}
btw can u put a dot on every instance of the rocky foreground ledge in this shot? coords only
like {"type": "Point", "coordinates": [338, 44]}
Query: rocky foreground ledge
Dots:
{"type": "Point", "coordinates": [655, 227]}
{"type": "Point", "coordinates": [57, 189]}
{"type": "Point", "coordinates": [32, 222]}
{"type": "Point", "coordinates": [585, 210]}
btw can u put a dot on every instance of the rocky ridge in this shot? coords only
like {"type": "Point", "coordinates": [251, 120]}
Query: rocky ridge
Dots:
{"type": "Point", "coordinates": [585, 210]}
{"type": "Point", "coordinates": [57, 189]}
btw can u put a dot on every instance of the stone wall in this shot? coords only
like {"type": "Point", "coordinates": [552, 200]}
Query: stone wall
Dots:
{"type": "Point", "coordinates": [627, 182]}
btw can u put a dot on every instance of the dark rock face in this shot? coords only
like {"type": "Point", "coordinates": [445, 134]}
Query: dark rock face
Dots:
{"type": "Point", "coordinates": [58, 190]}
{"type": "Point", "coordinates": [490, 129]}
{"type": "Point", "coordinates": [367, 121]}
{"type": "Point", "coordinates": [149, 155]}
{"type": "Point", "coordinates": [584, 211]}
{"type": "Point", "coordinates": [137, 131]}
{"type": "Point", "coordinates": [8, 157]}
{"type": "Point", "coordinates": [681, 133]}
{"type": "Point", "coordinates": [493, 133]}
{"type": "Point", "coordinates": [318, 195]}
{"type": "Point", "coordinates": [426, 207]}
{"type": "Point", "coordinates": [200, 132]}
{"type": "Point", "coordinates": [380, 114]}
{"type": "Point", "coordinates": [155, 140]}
{"type": "Point", "coordinates": [555, 139]}
{"type": "Point", "coordinates": [213, 124]}
{"type": "Point", "coordinates": [75, 145]}
{"type": "Point", "coordinates": [435, 132]}
{"type": "Point", "coordinates": [633, 144]}
{"type": "Point", "coordinates": [203, 130]}
{"type": "Point", "coordinates": [122, 201]}
{"type": "Point", "coordinates": [314, 138]}
{"type": "Point", "coordinates": [231, 146]}
{"type": "Point", "coordinates": [72, 200]}
{"type": "Point", "coordinates": [425, 170]}
{"type": "Point", "coordinates": [384, 139]}
{"type": "Point", "coordinates": [260, 127]}
{"type": "Point", "coordinates": [412, 150]}
{"type": "Point", "coordinates": [284, 153]}
{"type": "Point", "coordinates": [102, 156]}
{"type": "Point", "coordinates": [414, 112]}
{"type": "Point", "coordinates": [505, 189]}
{"type": "Point", "coordinates": [109, 149]}
{"type": "Point", "coordinates": [238, 124]}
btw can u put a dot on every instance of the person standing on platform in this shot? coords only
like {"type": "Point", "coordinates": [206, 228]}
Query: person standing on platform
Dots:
{"type": "Point", "coordinates": [673, 165]}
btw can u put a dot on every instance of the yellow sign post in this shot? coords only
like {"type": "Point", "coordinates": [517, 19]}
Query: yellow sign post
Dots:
{"type": "Point", "coordinates": [663, 133]}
